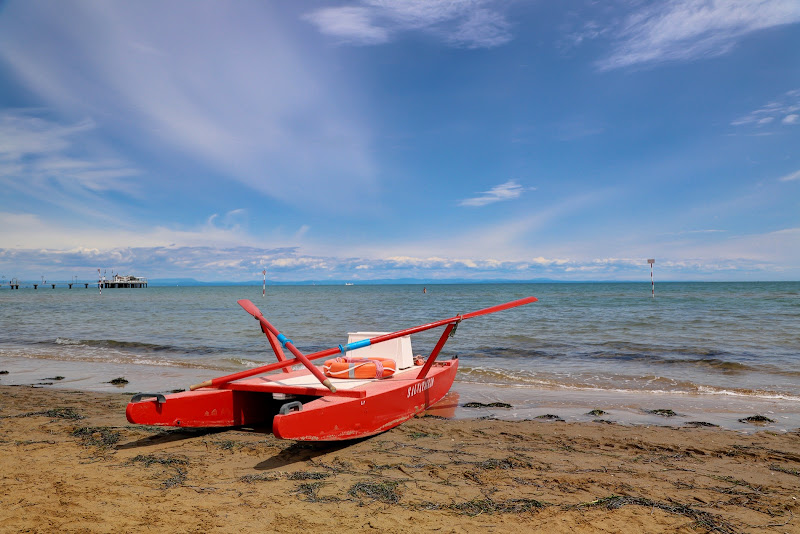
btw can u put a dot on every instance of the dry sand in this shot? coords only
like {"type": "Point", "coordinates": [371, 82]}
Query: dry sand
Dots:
{"type": "Point", "coordinates": [96, 473]}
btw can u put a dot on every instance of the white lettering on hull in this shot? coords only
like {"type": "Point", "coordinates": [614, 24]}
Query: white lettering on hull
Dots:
{"type": "Point", "coordinates": [419, 387]}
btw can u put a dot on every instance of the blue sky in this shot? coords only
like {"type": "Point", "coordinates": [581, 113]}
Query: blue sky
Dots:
{"type": "Point", "coordinates": [370, 139]}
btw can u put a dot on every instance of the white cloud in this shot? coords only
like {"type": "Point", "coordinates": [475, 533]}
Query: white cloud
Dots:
{"type": "Point", "coordinates": [350, 24]}
{"type": "Point", "coordinates": [549, 261]}
{"type": "Point", "coordinates": [681, 30]}
{"type": "Point", "coordinates": [784, 108]}
{"type": "Point", "coordinates": [460, 23]}
{"type": "Point", "coordinates": [507, 191]}
{"type": "Point", "coordinates": [790, 177]}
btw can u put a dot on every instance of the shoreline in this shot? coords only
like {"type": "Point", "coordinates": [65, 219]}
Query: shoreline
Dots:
{"type": "Point", "coordinates": [72, 463]}
{"type": "Point", "coordinates": [527, 402]}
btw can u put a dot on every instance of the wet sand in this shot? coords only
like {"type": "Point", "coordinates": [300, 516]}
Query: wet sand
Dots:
{"type": "Point", "coordinates": [70, 462]}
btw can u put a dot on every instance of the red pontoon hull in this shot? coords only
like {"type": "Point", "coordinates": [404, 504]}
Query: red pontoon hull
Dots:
{"type": "Point", "coordinates": [370, 408]}
{"type": "Point", "coordinates": [388, 404]}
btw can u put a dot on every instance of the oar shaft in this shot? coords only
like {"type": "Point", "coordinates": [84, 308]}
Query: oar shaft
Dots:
{"type": "Point", "coordinates": [457, 318]}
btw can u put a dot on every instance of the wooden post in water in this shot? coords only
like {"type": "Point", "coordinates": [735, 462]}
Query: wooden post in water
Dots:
{"type": "Point", "coordinates": [264, 288]}
{"type": "Point", "coordinates": [652, 282]}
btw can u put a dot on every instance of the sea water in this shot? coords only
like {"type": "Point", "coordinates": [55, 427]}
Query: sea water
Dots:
{"type": "Point", "coordinates": [705, 348]}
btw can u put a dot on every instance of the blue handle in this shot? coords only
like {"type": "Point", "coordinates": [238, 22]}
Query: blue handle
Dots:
{"type": "Point", "coordinates": [354, 345]}
{"type": "Point", "coordinates": [284, 340]}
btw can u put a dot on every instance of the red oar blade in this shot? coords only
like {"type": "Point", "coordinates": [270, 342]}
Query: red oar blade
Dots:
{"type": "Point", "coordinates": [250, 308]}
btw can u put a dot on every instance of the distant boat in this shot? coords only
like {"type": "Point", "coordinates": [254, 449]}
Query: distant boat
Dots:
{"type": "Point", "coordinates": [348, 283]}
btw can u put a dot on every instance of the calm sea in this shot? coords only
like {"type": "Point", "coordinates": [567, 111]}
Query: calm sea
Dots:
{"type": "Point", "coordinates": [701, 341]}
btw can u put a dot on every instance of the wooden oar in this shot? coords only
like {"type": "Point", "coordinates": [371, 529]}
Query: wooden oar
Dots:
{"type": "Point", "coordinates": [216, 382]}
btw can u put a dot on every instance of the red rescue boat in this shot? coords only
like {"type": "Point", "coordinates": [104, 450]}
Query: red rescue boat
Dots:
{"type": "Point", "coordinates": [307, 405]}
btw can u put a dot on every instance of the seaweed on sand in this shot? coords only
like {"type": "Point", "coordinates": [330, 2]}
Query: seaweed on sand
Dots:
{"type": "Point", "coordinates": [307, 475]}
{"type": "Point", "coordinates": [489, 405]}
{"type": "Point", "coordinates": [700, 423]}
{"type": "Point", "coordinates": [787, 470]}
{"type": "Point", "coordinates": [97, 436]}
{"type": "Point", "coordinates": [757, 419]}
{"type": "Point", "coordinates": [173, 462]}
{"type": "Point", "coordinates": [507, 463]}
{"type": "Point", "coordinates": [56, 413]}
{"type": "Point", "coordinates": [549, 417]}
{"type": "Point", "coordinates": [710, 522]}
{"type": "Point", "coordinates": [488, 506]}
{"type": "Point", "coordinates": [418, 435]}
{"type": "Point", "coordinates": [310, 490]}
{"type": "Point", "coordinates": [385, 492]}
{"type": "Point", "coordinates": [175, 480]}
{"type": "Point", "coordinates": [149, 459]}
{"type": "Point", "coordinates": [663, 412]}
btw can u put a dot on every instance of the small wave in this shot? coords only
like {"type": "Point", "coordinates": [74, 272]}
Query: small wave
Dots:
{"type": "Point", "coordinates": [510, 352]}
{"type": "Point", "coordinates": [741, 392]}
{"type": "Point", "coordinates": [118, 358]}
{"type": "Point", "coordinates": [134, 346]}
{"type": "Point", "coordinates": [112, 343]}
{"type": "Point", "coordinates": [244, 362]}
{"type": "Point", "coordinates": [67, 341]}
{"type": "Point", "coordinates": [714, 363]}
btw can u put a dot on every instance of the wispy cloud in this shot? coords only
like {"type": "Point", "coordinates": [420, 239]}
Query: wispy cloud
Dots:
{"type": "Point", "coordinates": [349, 24]}
{"type": "Point", "coordinates": [790, 177]}
{"type": "Point", "coordinates": [40, 150]}
{"type": "Point", "coordinates": [681, 30]}
{"type": "Point", "coordinates": [459, 23]}
{"type": "Point", "coordinates": [783, 109]}
{"type": "Point", "coordinates": [507, 191]}
{"type": "Point", "coordinates": [60, 166]}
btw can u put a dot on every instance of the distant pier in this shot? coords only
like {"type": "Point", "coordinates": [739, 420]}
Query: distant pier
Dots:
{"type": "Point", "coordinates": [118, 281]}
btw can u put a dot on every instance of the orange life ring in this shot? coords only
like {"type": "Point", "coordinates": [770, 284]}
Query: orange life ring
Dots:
{"type": "Point", "coordinates": [359, 367]}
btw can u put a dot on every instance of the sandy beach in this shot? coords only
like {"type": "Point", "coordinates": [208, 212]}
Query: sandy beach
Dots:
{"type": "Point", "coordinates": [71, 463]}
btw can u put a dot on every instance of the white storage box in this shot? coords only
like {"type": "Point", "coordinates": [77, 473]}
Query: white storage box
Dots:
{"type": "Point", "coordinates": [398, 349]}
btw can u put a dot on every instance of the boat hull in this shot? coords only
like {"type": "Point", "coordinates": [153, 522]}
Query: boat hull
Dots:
{"type": "Point", "coordinates": [333, 419]}
{"type": "Point", "coordinates": [212, 408]}
{"type": "Point", "coordinates": [369, 409]}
